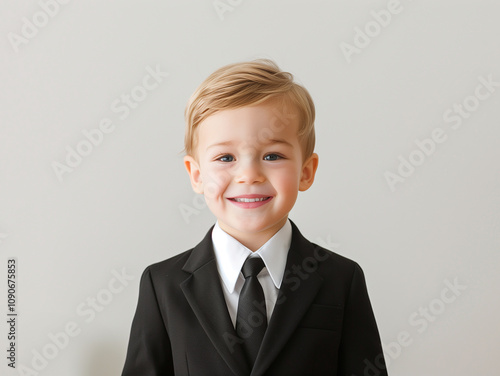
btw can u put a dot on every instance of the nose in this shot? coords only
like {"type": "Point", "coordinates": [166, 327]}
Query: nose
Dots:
{"type": "Point", "coordinates": [249, 172]}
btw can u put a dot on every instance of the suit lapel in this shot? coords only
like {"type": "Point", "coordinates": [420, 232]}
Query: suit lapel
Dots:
{"type": "Point", "coordinates": [300, 285]}
{"type": "Point", "coordinates": [203, 291]}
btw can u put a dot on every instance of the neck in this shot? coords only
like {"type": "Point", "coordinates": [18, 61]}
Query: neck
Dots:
{"type": "Point", "coordinates": [254, 240]}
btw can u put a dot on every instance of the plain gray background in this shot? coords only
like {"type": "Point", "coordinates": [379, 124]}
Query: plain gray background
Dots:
{"type": "Point", "coordinates": [128, 202]}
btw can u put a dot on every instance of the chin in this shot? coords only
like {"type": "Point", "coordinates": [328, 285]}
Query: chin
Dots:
{"type": "Point", "coordinates": [257, 227]}
{"type": "Point", "coordinates": [246, 226]}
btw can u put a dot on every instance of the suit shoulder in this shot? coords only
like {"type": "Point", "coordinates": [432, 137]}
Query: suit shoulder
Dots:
{"type": "Point", "coordinates": [334, 256]}
{"type": "Point", "coordinates": [331, 261]}
{"type": "Point", "coordinates": [171, 266]}
{"type": "Point", "coordinates": [334, 261]}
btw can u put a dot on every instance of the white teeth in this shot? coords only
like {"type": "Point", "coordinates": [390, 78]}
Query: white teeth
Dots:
{"type": "Point", "coordinates": [250, 199]}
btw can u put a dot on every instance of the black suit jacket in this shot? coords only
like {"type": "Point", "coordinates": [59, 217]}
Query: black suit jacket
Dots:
{"type": "Point", "coordinates": [322, 323]}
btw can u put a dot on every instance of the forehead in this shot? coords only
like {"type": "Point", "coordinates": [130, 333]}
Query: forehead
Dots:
{"type": "Point", "coordinates": [263, 123]}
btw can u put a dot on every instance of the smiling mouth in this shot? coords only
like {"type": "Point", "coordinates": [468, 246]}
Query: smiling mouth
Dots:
{"type": "Point", "coordinates": [245, 199]}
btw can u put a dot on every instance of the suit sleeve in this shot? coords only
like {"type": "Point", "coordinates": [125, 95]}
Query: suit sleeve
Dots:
{"type": "Point", "coordinates": [360, 351]}
{"type": "Point", "coordinates": [149, 352]}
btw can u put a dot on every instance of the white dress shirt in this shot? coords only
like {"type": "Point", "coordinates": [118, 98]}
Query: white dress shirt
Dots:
{"type": "Point", "coordinates": [231, 255]}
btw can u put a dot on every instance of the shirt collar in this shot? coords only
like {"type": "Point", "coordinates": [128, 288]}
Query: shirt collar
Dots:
{"type": "Point", "coordinates": [231, 255]}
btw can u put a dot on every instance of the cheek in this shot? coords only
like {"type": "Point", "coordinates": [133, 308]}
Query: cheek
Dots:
{"type": "Point", "coordinates": [215, 183]}
{"type": "Point", "coordinates": [288, 175]}
{"type": "Point", "coordinates": [287, 182]}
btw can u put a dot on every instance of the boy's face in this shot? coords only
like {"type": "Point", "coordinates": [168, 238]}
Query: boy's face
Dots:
{"type": "Point", "coordinates": [249, 166]}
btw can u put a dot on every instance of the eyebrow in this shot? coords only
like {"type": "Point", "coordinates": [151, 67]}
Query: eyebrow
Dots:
{"type": "Point", "coordinates": [271, 141]}
{"type": "Point", "coordinates": [223, 143]}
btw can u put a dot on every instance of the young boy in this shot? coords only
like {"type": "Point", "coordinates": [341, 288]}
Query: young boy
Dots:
{"type": "Point", "coordinates": [254, 297]}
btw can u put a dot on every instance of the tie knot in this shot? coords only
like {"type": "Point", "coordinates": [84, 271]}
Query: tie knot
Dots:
{"type": "Point", "coordinates": [252, 267]}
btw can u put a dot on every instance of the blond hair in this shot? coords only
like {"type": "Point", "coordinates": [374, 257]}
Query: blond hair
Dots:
{"type": "Point", "coordinates": [244, 84]}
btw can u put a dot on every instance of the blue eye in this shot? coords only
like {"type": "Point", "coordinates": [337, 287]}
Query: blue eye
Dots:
{"type": "Point", "coordinates": [226, 158]}
{"type": "Point", "coordinates": [272, 157]}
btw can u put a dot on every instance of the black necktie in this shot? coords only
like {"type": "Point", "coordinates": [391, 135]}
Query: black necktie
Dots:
{"type": "Point", "coordinates": [251, 320]}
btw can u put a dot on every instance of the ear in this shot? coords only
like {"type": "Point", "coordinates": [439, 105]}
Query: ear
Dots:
{"type": "Point", "coordinates": [308, 172]}
{"type": "Point", "coordinates": [193, 169]}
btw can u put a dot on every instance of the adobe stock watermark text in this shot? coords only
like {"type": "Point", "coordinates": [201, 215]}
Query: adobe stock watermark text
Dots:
{"type": "Point", "coordinates": [86, 310]}
{"type": "Point", "coordinates": [122, 107]}
{"type": "Point", "coordinates": [454, 117]}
